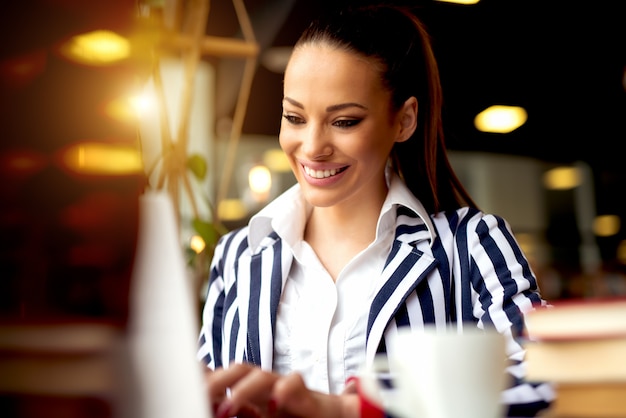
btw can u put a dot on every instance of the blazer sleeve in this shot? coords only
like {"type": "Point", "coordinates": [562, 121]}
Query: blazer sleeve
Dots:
{"type": "Point", "coordinates": [210, 339]}
{"type": "Point", "coordinates": [501, 289]}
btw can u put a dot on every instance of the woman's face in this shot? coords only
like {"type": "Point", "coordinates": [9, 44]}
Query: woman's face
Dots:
{"type": "Point", "coordinates": [337, 127]}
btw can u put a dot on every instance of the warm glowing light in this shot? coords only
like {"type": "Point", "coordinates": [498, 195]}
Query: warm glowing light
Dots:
{"type": "Point", "coordinates": [231, 210]}
{"type": "Point", "coordinates": [276, 160]}
{"type": "Point", "coordinates": [100, 158]}
{"type": "Point", "coordinates": [143, 103]}
{"type": "Point", "coordinates": [461, 1]}
{"type": "Point", "coordinates": [120, 110]}
{"type": "Point", "coordinates": [500, 119]}
{"type": "Point", "coordinates": [562, 178]}
{"type": "Point", "coordinates": [260, 179]}
{"type": "Point", "coordinates": [100, 47]}
{"type": "Point", "coordinates": [130, 109]}
{"type": "Point", "coordinates": [197, 244]}
{"type": "Point", "coordinates": [606, 225]}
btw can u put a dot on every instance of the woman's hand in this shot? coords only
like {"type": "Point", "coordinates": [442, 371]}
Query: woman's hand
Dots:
{"type": "Point", "coordinates": [247, 391]}
{"type": "Point", "coordinates": [241, 390]}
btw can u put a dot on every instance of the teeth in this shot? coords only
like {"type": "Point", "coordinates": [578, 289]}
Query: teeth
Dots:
{"type": "Point", "coordinates": [320, 174]}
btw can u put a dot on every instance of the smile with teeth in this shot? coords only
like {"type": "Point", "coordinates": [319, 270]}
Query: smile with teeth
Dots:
{"type": "Point", "coordinates": [320, 174]}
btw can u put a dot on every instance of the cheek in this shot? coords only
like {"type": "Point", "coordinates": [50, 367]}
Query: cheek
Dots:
{"type": "Point", "coordinates": [374, 147]}
{"type": "Point", "coordinates": [386, 141]}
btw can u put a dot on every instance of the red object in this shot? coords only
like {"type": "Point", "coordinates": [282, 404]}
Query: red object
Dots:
{"type": "Point", "coordinates": [368, 408]}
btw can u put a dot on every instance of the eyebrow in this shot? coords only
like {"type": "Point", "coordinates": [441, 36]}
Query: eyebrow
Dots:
{"type": "Point", "coordinates": [329, 109]}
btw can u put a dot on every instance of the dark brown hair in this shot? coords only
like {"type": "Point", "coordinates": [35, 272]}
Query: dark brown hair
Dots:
{"type": "Point", "coordinates": [395, 38]}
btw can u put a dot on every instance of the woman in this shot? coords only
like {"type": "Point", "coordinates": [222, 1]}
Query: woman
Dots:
{"type": "Point", "coordinates": [378, 233]}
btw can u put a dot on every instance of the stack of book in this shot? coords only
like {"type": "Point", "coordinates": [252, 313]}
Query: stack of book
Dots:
{"type": "Point", "coordinates": [580, 346]}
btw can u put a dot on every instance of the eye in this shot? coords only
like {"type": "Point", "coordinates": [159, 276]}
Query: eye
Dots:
{"type": "Point", "coordinates": [346, 123]}
{"type": "Point", "coordinates": [294, 120]}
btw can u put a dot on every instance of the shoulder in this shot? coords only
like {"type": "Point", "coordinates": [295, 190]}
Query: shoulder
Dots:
{"type": "Point", "coordinates": [239, 241]}
{"type": "Point", "coordinates": [233, 242]}
{"type": "Point", "coordinates": [469, 221]}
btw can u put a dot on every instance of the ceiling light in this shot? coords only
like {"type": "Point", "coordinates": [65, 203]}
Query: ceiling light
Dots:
{"type": "Point", "coordinates": [260, 179]}
{"type": "Point", "coordinates": [460, 1]}
{"type": "Point", "coordinates": [500, 119]}
{"type": "Point", "coordinates": [606, 225]}
{"type": "Point", "coordinates": [562, 178]}
{"type": "Point", "coordinates": [231, 210]}
{"type": "Point", "coordinates": [102, 159]}
{"type": "Point", "coordinates": [101, 47]}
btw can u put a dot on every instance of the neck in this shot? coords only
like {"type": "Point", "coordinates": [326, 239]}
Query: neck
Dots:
{"type": "Point", "coordinates": [347, 222]}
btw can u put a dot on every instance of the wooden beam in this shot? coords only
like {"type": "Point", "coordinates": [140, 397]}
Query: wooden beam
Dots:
{"type": "Point", "coordinates": [213, 45]}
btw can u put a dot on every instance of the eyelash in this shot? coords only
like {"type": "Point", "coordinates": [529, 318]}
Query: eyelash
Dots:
{"type": "Point", "coordinates": [294, 120]}
{"type": "Point", "coordinates": [341, 123]}
{"type": "Point", "coordinates": [347, 123]}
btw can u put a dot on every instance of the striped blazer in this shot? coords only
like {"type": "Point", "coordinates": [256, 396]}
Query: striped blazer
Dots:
{"type": "Point", "coordinates": [460, 268]}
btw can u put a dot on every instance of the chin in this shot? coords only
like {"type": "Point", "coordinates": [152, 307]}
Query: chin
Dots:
{"type": "Point", "coordinates": [321, 198]}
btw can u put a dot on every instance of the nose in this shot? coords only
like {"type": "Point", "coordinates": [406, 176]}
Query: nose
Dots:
{"type": "Point", "coordinates": [316, 143]}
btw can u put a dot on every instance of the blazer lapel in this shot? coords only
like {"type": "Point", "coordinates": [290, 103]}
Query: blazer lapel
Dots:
{"type": "Point", "coordinates": [400, 277]}
{"type": "Point", "coordinates": [260, 281]}
{"type": "Point", "coordinates": [408, 264]}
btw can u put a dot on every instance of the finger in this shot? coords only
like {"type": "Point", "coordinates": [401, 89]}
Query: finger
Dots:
{"type": "Point", "coordinates": [224, 378]}
{"type": "Point", "coordinates": [293, 397]}
{"type": "Point", "coordinates": [221, 380]}
{"type": "Point", "coordinates": [351, 387]}
{"type": "Point", "coordinates": [255, 388]}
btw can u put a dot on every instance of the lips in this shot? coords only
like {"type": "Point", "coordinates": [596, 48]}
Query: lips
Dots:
{"type": "Point", "coordinates": [325, 173]}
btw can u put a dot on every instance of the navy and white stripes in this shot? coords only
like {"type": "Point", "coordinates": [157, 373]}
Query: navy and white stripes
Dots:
{"type": "Point", "coordinates": [462, 268]}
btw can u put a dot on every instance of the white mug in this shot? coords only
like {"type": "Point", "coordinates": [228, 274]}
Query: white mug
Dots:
{"type": "Point", "coordinates": [441, 374]}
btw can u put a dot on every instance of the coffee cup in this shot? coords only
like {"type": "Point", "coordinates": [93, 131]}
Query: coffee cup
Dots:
{"type": "Point", "coordinates": [438, 373]}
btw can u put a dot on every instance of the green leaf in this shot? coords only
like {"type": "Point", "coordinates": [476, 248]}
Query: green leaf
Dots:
{"type": "Point", "coordinates": [207, 231]}
{"type": "Point", "coordinates": [197, 165]}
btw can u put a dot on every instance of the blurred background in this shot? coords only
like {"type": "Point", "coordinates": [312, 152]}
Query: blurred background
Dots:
{"type": "Point", "coordinates": [103, 100]}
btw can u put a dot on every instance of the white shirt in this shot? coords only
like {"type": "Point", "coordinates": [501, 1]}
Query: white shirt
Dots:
{"type": "Point", "coordinates": [321, 324]}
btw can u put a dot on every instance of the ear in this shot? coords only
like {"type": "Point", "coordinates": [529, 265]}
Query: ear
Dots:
{"type": "Point", "coordinates": [407, 117]}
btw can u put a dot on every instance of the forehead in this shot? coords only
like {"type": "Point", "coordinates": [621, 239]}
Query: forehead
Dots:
{"type": "Point", "coordinates": [319, 68]}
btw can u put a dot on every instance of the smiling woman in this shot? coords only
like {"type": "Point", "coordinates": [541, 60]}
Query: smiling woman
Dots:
{"type": "Point", "coordinates": [378, 234]}
{"type": "Point", "coordinates": [343, 126]}
{"type": "Point", "coordinates": [509, 53]}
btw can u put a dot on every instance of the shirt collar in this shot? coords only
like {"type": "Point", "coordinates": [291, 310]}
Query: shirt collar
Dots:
{"type": "Point", "coordinates": [287, 214]}
{"type": "Point", "coordinates": [400, 195]}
